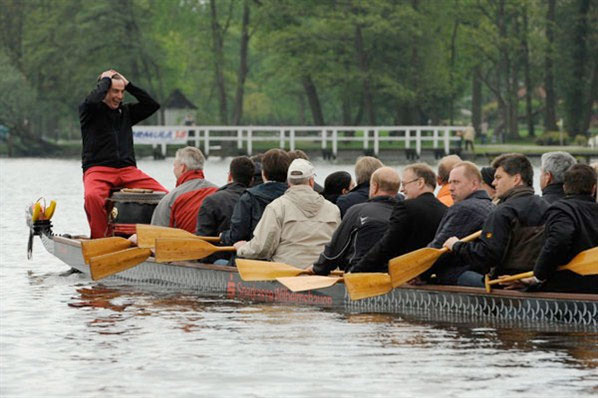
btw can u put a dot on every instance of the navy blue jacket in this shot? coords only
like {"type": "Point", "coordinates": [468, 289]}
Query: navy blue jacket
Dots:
{"type": "Point", "coordinates": [359, 194]}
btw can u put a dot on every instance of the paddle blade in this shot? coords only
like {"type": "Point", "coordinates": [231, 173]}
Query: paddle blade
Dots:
{"type": "Point", "coordinates": [364, 285]}
{"type": "Point", "coordinates": [308, 282]}
{"type": "Point", "coordinates": [112, 263]}
{"type": "Point", "coordinates": [410, 265]}
{"type": "Point", "coordinates": [97, 247]}
{"type": "Point", "coordinates": [256, 270]}
{"type": "Point", "coordinates": [585, 263]}
{"type": "Point", "coordinates": [147, 235]}
{"type": "Point", "coordinates": [172, 249]}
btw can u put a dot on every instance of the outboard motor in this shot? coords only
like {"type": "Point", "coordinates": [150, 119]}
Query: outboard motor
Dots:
{"type": "Point", "coordinates": [128, 207]}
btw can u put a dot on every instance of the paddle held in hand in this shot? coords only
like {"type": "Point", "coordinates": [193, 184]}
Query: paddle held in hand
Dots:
{"type": "Point", "coordinates": [97, 247]}
{"type": "Point", "coordinates": [173, 249]}
{"type": "Point", "coordinates": [147, 235]}
{"type": "Point", "coordinates": [112, 263]}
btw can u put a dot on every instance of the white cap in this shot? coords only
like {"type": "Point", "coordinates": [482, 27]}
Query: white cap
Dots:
{"type": "Point", "coordinates": [300, 168]}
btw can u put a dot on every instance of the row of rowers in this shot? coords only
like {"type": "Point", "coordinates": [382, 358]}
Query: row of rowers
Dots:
{"type": "Point", "coordinates": [285, 217]}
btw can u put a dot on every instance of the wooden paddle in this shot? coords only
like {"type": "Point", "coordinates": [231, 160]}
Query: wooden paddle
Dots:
{"type": "Point", "coordinates": [408, 266]}
{"type": "Point", "coordinates": [362, 285]}
{"type": "Point", "coordinates": [173, 249]}
{"type": "Point", "coordinates": [147, 235]}
{"type": "Point", "coordinates": [97, 247]}
{"type": "Point", "coordinates": [258, 270]}
{"type": "Point", "coordinates": [112, 263]}
{"type": "Point", "coordinates": [308, 282]}
{"type": "Point", "coordinates": [585, 263]}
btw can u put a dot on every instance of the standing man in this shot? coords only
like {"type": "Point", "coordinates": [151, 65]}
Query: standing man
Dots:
{"type": "Point", "coordinates": [552, 174]}
{"type": "Point", "coordinates": [179, 208]}
{"type": "Point", "coordinates": [108, 153]}
{"type": "Point", "coordinates": [413, 222]}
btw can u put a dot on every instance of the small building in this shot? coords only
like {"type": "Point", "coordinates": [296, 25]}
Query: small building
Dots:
{"type": "Point", "coordinates": [178, 110]}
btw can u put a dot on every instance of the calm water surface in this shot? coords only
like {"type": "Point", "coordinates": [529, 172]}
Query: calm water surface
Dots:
{"type": "Point", "coordinates": [68, 336]}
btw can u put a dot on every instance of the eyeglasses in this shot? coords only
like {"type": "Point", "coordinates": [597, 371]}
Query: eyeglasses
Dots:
{"type": "Point", "coordinates": [409, 182]}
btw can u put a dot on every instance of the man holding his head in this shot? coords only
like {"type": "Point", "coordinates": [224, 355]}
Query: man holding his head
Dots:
{"type": "Point", "coordinates": [295, 227]}
{"type": "Point", "coordinates": [179, 208]}
{"type": "Point", "coordinates": [552, 174]}
{"type": "Point", "coordinates": [512, 234]}
{"type": "Point", "coordinates": [108, 156]}
{"type": "Point", "coordinates": [363, 225]}
{"type": "Point", "coordinates": [413, 222]}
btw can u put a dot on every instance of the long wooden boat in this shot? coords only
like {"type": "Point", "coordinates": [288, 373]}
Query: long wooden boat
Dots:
{"type": "Point", "coordinates": [438, 302]}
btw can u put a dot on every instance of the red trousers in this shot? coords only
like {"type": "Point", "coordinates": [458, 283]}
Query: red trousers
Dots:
{"type": "Point", "coordinates": [98, 180]}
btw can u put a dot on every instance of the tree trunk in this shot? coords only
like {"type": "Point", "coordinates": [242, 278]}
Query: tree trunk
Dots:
{"type": "Point", "coordinates": [314, 101]}
{"type": "Point", "coordinates": [528, 80]}
{"type": "Point", "coordinates": [242, 75]}
{"type": "Point", "coordinates": [591, 99]}
{"type": "Point", "coordinates": [218, 54]}
{"type": "Point", "coordinates": [502, 73]}
{"type": "Point", "coordinates": [452, 76]}
{"type": "Point", "coordinates": [476, 100]}
{"type": "Point", "coordinates": [550, 103]}
{"type": "Point", "coordinates": [362, 61]}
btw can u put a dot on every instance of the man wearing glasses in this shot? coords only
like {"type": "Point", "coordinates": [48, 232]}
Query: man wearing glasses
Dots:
{"type": "Point", "coordinates": [413, 222]}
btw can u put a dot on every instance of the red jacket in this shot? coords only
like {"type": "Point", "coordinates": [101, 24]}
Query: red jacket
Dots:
{"type": "Point", "coordinates": [179, 208]}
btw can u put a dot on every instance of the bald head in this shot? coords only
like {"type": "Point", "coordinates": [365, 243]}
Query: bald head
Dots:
{"type": "Point", "coordinates": [385, 181]}
{"type": "Point", "coordinates": [445, 166]}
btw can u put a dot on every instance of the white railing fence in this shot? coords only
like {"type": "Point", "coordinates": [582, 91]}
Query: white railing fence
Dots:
{"type": "Point", "coordinates": [287, 137]}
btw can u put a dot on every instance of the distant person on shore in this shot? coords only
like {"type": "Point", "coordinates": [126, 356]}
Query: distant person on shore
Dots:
{"type": "Point", "coordinates": [294, 227]}
{"type": "Point", "coordinates": [471, 208]}
{"type": "Point", "coordinates": [413, 222]}
{"type": "Point", "coordinates": [487, 179]}
{"type": "Point", "coordinates": [364, 168]}
{"type": "Point", "coordinates": [299, 154]}
{"type": "Point", "coordinates": [250, 207]}
{"type": "Point", "coordinates": [363, 225]}
{"type": "Point", "coordinates": [108, 153]}
{"type": "Point", "coordinates": [444, 169]}
{"type": "Point", "coordinates": [513, 233]}
{"type": "Point", "coordinates": [178, 209]}
{"type": "Point", "coordinates": [552, 174]}
{"type": "Point", "coordinates": [337, 184]}
{"type": "Point", "coordinates": [469, 137]}
{"type": "Point", "coordinates": [571, 227]}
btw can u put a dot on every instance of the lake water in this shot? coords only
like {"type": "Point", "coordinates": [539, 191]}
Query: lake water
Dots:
{"type": "Point", "coordinates": [68, 336]}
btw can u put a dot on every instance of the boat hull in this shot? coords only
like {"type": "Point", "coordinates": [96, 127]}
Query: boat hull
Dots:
{"type": "Point", "coordinates": [440, 302]}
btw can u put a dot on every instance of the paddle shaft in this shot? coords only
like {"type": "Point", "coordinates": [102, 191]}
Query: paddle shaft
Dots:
{"type": "Point", "coordinates": [172, 249]}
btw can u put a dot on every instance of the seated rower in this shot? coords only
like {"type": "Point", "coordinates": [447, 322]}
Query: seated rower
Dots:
{"type": "Point", "coordinates": [337, 184]}
{"type": "Point", "coordinates": [364, 168]}
{"type": "Point", "coordinates": [295, 227]}
{"type": "Point", "coordinates": [512, 234]}
{"type": "Point", "coordinates": [363, 225]}
{"type": "Point", "coordinates": [216, 210]}
{"type": "Point", "coordinates": [552, 173]}
{"type": "Point", "coordinates": [571, 227]}
{"type": "Point", "coordinates": [179, 208]}
{"type": "Point", "coordinates": [413, 222]}
{"type": "Point", "coordinates": [445, 166]}
{"type": "Point", "coordinates": [471, 207]}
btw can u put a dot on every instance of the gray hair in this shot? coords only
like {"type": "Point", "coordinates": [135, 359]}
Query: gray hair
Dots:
{"type": "Point", "coordinates": [557, 163]}
{"type": "Point", "coordinates": [190, 157]}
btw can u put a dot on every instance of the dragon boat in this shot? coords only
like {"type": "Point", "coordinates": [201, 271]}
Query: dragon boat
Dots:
{"type": "Point", "coordinates": [430, 301]}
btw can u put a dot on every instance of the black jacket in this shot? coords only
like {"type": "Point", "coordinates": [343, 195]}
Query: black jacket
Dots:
{"type": "Point", "coordinates": [412, 225]}
{"type": "Point", "coordinates": [519, 210]}
{"type": "Point", "coordinates": [249, 210]}
{"type": "Point", "coordinates": [363, 226]}
{"type": "Point", "coordinates": [461, 219]}
{"type": "Point", "coordinates": [359, 194]}
{"type": "Point", "coordinates": [107, 134]}
{"type": "Point", "coordinates": [571, 227]}
{"type": "Point", "coordinates": [216, 210]}
{"type": "Point", "coordinates": [553, 192]}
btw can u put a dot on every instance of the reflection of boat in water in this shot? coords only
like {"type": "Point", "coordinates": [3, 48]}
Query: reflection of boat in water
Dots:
{"type": "Point", "coordinates": [432, 302]}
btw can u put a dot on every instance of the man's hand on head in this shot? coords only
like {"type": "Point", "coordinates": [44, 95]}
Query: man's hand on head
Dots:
{"type": "Point", "coordinates": [121, 76]}
{"type": "Point", "coordinates": [107, 73]}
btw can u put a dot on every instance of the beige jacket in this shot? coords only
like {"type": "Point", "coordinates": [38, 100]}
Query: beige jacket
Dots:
{"type": "Point", "coordinates": [294, 228]}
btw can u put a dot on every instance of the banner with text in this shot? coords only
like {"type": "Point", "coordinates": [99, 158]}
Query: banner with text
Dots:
{"type": "Point", "coordinates": [159, 135]}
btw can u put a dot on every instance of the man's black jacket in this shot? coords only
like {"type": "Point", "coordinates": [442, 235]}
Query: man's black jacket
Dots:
{"type": "Point", "coordinates": [107, 133]}
{"type": "Point", "coordinates": [363, 226]}
{"type": "Point", "coordinates": [553, 192]}
{"type": "Point", "coordinates": [413, 224]}
{"type": "Point", "coordinates": [217, 209]}
{"type": "Point", "coordinates": [571, 227]}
